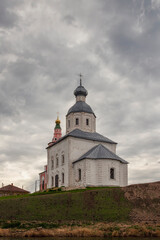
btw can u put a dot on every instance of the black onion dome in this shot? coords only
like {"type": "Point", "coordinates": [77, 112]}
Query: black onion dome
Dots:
{"type": "Point", "coordinates": [80, 91]}
{"type": "Point", "coordinates": [80, 106]}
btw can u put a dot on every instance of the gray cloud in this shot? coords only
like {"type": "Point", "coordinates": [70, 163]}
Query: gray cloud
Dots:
{"type": "Point", "coordinates": [8, 15]}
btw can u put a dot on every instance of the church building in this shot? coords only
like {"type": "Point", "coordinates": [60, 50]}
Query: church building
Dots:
{"type": "Point", "coordinates": [83, 157]}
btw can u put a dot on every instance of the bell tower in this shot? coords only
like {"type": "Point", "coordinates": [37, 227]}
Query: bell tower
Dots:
{"type": "Point", "coordinates": [57, 132]}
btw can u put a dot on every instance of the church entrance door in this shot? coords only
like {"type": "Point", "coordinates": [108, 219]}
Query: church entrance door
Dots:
{"type": "Point", "coordinates": [56, 181]}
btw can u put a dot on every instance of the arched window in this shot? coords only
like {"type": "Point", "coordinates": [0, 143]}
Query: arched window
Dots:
{"type": "Point", "coordinates": [63, 159]}
{"type": "Point", "coordinates": [112, 173]}
{"type": "Point", "coordinates": [87, 121]}
{"type": "Point", "coordinates": [62, 178]}
{"type": "Point", "coordinates": [79, 174]}
{"type": "Point", "coordinates": [57, 181]}
{"type": "Point", "coordinates": [69, 123]}
{"type": "Point", "coordinates": [52, 163]}
{"type": "Point", "coordinates": [57, 161]}
{"type": "Point", "coordinates": [77, 121]}
{"type": "Point", "coordinates": [52, 181]}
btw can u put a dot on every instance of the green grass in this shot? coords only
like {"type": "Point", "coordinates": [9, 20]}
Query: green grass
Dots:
{"type": "Point", "coordinates": [92, 204]}
{"type": "Point", "coordinates": [27, 225]}
{"type": "Point", "coordinates": [11, 224]}
{"type": "Point", "coordinates": [52, 191]}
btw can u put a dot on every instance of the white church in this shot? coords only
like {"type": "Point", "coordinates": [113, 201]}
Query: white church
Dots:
{"type": "Point", "coordinates": [83, 157]}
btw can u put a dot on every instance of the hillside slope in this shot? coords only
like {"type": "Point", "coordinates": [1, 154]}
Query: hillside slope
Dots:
{"type": "Point", "coordinates": [108, 204]}
{"type": "Point", "coordinates": [133, 203]}
{"type": "Point", "coordinates": [145, 201]}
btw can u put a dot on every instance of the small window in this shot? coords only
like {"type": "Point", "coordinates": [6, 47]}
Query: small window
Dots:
{"type": "Point", "coordinates": [62, 178]}
{"type": "Point", "coordinates": [57, 162]}
{"type": "Point", "coordinates": [62, 159]}
{"type": "Point", "coordinates": [79, 174]}
{"type": "Point", "coordinates": [52, 181]}
{"type": "Point", "coordinates": [112, 173]}
{"type": "Point", "coordinates": [77, 121]}
{"type": "Point", "coordinates": [87, 121]}
{"type": "Point", "coordinates": [52, 164]}
{"type": "Point", "coordinates": [69, 123]}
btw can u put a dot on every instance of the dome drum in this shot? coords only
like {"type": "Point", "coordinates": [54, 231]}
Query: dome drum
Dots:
{"type": "Point", "coordinates": [83, 121]}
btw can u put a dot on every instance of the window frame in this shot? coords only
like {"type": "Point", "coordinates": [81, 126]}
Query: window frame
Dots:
{"type": "Point", "coordinates": [112, 173]}
{"type": "Point", "coordinates": [52, 181]}
{"type": "Point", "coordinates": [52, 163]}
{"type": "Point", "coordinates": [62, 159]}
{"type": "Point", "coordinates": [87, 121]}
{"type": "Point", "coordinates": [69, 124]}
{"type": "Point", "coordinates": [62, 177]}
{"type": "Point", "coordinates": [57, 161]}
{"type": "Point", "coordinates": [77, 122]}
{"type": "Point", "coordinates": [79, 174]}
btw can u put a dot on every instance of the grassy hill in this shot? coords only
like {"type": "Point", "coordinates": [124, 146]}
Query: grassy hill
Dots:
{"type": "Point", "coordinates": [106, 204]}
{"type": "Point", "coordinates": [135, 203]}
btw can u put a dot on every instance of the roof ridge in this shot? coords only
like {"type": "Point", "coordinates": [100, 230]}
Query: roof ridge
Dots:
{"type": "Point", "coordinates": [106, 154]}
{"type": "Point", "coordinates": [111, 152]}
{"type": "Point", "coordinates": [78, 133]}
{"type": "Point", "coordinates": [99, 148]}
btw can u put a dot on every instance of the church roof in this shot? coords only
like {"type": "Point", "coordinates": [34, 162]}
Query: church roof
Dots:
{"type": "Point", "coordinates": [77, 133]}
{"type": "Point", "coordinates": [13, 189]}
{"type": "Point", "coordinates": [80, 106]}
{"type": "Point", "coordinates": [89, 136]}
{"type": "Point", "coordinates": [100, 152]}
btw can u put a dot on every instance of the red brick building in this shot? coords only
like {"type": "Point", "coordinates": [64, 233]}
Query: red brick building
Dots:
{"type": "Point", "coordinates": [12, 190]}
{"type": "Point", "coordinates": [56, 136]}
{"type": "Point", "coordinates": [43, 179]}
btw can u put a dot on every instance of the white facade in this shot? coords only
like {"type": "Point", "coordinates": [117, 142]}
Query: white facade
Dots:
{"type": "Point", "coordinates": [94, 172]}
{"type": "Point", "coordinates": [58, 164]}
{"type": "Point", "coordinates": [83, 118]}
{"type": "Point", "coordinates": [97, 173]}
{"type": "Point", "coordinates": [64, 166]}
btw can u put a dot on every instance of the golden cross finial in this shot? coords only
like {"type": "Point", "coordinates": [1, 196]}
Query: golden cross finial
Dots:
{"type": "Point", "coordinates": [57, 121]}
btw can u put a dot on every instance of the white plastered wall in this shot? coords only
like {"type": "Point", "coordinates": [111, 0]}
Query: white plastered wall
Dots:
{"type": "Point", "coordinates": [78, 147]}
{"type": "Point", "coordinates": [82, 116]}
{"type": "Point", "coordinates": [97, 173]}
{"type": "Point", "coordinates": [93, 171]}
{"type": "Point", "coordinates": [54, 151]}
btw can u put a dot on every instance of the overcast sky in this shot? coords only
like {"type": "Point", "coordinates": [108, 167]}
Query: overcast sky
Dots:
{"type": "Point", "coordinates": [44, 45]}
